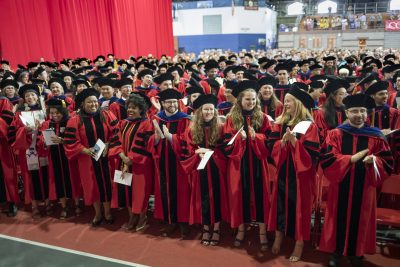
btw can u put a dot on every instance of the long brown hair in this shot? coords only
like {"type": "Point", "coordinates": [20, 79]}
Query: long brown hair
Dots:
{"type": "Point", "coordinates": [301, 114]}
{"type": "Point", "coordinates": [236, 113]}
{"type": "Point", "coordinates": [197, 128]}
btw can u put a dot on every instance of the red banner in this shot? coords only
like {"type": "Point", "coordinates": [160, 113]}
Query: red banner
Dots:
{"type": "Point", "coordinates": [392, 25]}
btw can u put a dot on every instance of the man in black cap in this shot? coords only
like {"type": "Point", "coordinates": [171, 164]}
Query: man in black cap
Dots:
{"type": "Point", "coordinates": [171, 184]}
{"type": "Point", "coordinates": [304, 73]}
{"type": "Point", "coordinates": [212, 69]}
{"type": "Point", "coordinates": [330, 65]}
{"type": "Point", "coordinates": [118, 107]}
{"type": "Point", "coordinates": [146, 78]}
{"type": "Point", "coordinates": [282, 71]}
{"type": "Point", "coordinates": [357, 160]}
{"type": "Point", "coordinates": [107, 92]}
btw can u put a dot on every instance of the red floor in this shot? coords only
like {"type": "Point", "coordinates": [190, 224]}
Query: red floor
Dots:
{"type": "Point", "coordinates": [149, 248]}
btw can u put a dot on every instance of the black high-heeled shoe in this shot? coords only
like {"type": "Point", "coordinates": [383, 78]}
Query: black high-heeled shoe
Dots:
{"type": "Point", "coordinates": [97, 223]}
{"type": "Point", "coordinates": [263, 245]}
{"type": "Point", "coordinates": [109, 221]}
{"type": "Point", "coordinates": [205, 241]}
{"type": "Point", "coordinates": [238, 242]}
{"type": "Point", "coordinates": [213, 241]}
{"type": "Point", "coordinates": [12, 210]}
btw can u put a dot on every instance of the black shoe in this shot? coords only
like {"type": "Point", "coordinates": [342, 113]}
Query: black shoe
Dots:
{"type": "Point", "coordinates": [184, 227]}
{"type": "Point", "coordinates": [97, 223]}
{"type": "Point", "coordinates": [109, 221]}
{"type": "Point", "coordinates": [356, 261]}
{"type": "Point", "coordinates": [12, 210]}
{"type": "Point", "coordinates": [334, 261]}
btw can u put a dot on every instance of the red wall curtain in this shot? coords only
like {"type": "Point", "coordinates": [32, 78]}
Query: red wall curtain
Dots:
{"type": "Point", "coordinates": [57, 29]}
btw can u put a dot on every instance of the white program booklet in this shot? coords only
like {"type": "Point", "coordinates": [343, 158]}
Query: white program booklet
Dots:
{"type": "Point", "coordinates": [234, 137]}
{"type": "Point", "coordinates": [47, 135]}
{"type": "Point", "coordinates": [125, 179]}
{"type": "Point", "coordinates": [302, 127]}
{"type": "Point", "coordinates": [270, 118]}
{"type": "Point", "coordinates": [98, 148]}
{"type": "Point", "coordinates": [205, 159]}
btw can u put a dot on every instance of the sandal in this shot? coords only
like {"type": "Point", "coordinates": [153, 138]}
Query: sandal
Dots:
{"type": "Point", "coordinates": [141, 223]}
{"type": "Point", "coordinates": [35, 213]}
{"type": "Point", "coordinates": [238, 242]}
{"type": "Point", "coordinates": [64, 214]}
{"type": "Point", "coordinates": [296, 258]}
{"type": "Point", "coordinates": [263, 245]}
{"type": "Point", "coordinates": [131, 224]}
{"type": "Point", "coordinates": [214, 241]}
{"type": "Point", "coordinates": [49, 209]}
{"type": "Point", "coordinates": [205, 241]}
{"type": "Point", "coordinates": [96, 223]}
{"type": "Point", "coordinates": [12, 210]}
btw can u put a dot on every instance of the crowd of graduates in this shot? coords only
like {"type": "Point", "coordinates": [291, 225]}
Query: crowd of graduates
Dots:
{"type": "Point", "coordinates": [160, 118]}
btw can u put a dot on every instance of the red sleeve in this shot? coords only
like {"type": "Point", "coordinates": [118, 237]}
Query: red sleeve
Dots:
{"type": "Point", "coordinates": [333, 162]}
{"type": "Point", "coordinates": [139, 153]}
{"type": "Point", "coordinates": [114, 139]}
{"type": "Point", "coordinates": [259, 144]}
{"type": "Point", "coordinates": [190, 160]}
{"type": "Point", "coordinates": [384, 162]}
{"type": "Point", "coordinates": [306, 150]}
{"type": "Point", "coordinates": [22, 139]}
{"type": "Point", "coordinates": [72, 138]}
{"type": "Point", "coordinates": [236, 150]}
{"type": "Point", "coordinates": [179, 136]}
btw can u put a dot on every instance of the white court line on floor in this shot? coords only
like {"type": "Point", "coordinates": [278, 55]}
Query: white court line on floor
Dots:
{"type": "Point", "coordinates": [77, 252]}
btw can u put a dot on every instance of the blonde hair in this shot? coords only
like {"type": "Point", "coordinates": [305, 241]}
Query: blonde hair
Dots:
{"type": "Point", "coordinates": [197, 128]}
{"type": "Point", "coordinates": [236, 112]}
{"type": "Point", "coordinates": [301, 114]}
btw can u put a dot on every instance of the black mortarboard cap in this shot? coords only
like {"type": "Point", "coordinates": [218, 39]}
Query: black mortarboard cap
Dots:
{"type": "Point", "coordinates": [9, 82]}
{"type": "Point", "coordinates": [332, 86]}
{"type": "Point", "coordinates": [205, 99]}
{"type": "Point", "coordinates": [169, 94]}
{"type": "Point", "coordinates": [80, 98]}
{"type": "Point", "coordinates": [359, 100]}
{"type": "Point", "coordinates": [267, 80]}
{"type": "Point", "coordinates": [28, 88]}
{"type": "Point", "coordinates": [106, 82]}
{"type": "Point", "coordinates": [244, 85]}
{"type": "Point", "coordinates": [302, 96]}
{"type": "Point", "coordinates": [194, 89]}
{"type": "Point", "coordinates": [163, 77]}
{"type": "Point", "coordinates": [376, 87]}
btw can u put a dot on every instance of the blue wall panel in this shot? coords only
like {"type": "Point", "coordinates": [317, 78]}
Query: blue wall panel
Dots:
{"type": "Point", "coordinates": [234, 42]}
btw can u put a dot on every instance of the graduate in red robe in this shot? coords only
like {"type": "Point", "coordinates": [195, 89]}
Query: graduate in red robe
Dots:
{"type": "Point", "coordinates": [81, 134]}
{"type": "Point", "coordinates": [350, 221]}
{"type": "Point", "coordinates": [63, 184]}
{"type": "Point", "coordinates": [193, 93]}
{"type": "Point", "coordinates": [171, 185]}
{"type": "Point", "coordinates": [332, 113]}
{"type": "Point", "coordinates": [282, 71]}
{"type": "Point", "coordinates": [295, 156]}
{"type": "Point", "coordinates": [248, 177]}
{"type": "Point", "coordinates": [118, 107]}
{"type": "Point", "coordinates": [135, 132]}
{"type": "Point", "coordinates": [23, 139]}
{"type": "Point", "coordinates": [208, 197]}
{"type": "Point", "coordinates": [270, 104]}
{"type": "Point", "coordinates": [58, 89]}
{"type": "Point", "coordinates": [8, 171]}
{"type": "Point", "coordinates": [225, 107]}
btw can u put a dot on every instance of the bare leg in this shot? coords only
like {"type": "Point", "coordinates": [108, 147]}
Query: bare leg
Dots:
{"type": "Point", "coordinates": [78, 210]}
{"type": "Point", "coordinates": [216, 235]}
{"type": "Point", "coordinates": [239, 236]}
{"type": "Point", "coordinates": [276, 247]}
{"type": "Point", "coordinates": [297, 251]}
{"type": "Point", "coordinates": [63, 214]}
{"type": "Point", "coordinates": [263, 237]}
{"type": "Point", "coordinates": [35, 209]}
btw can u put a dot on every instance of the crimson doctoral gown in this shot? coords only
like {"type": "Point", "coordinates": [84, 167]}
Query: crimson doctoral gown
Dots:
{"type": "Point", "coordinates": [293, 194]}
{"type": "Point", "coordinates": [350, 219]}
{"type": "Point", "coordinates": [8, 171]}
{"type": "Point", "coordinates": [248, 177]}
{"type": "Point", "coordinates": [134, 136]}
{"type": "Point", "coordinates": [83, 131]}
{"type": "Point", "coordinates": [171, 184]}
{"type": "Point", "coordinates": [208, 196]}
